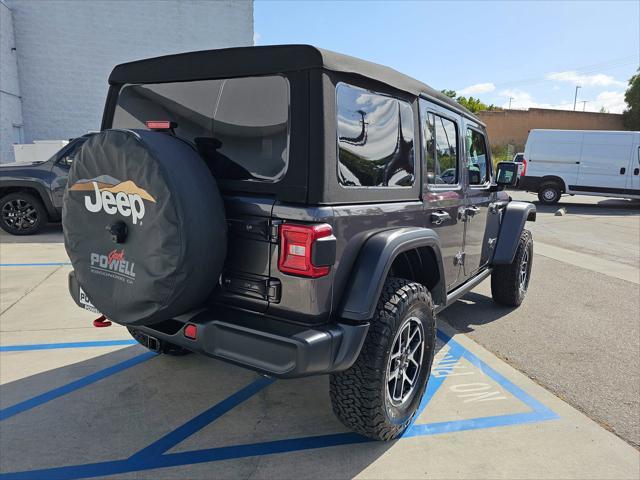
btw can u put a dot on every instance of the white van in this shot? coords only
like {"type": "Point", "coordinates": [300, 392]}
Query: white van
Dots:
{"type": "Point", "coordinates": [585, 162]}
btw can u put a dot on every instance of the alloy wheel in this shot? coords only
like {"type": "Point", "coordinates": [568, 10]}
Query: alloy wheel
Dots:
{"type": "Point", "coordinates": [405, 362]}
{"type": "Point", "coordinates": [524, 271]}
{"type": "Point", "coordinates": [19, 214]}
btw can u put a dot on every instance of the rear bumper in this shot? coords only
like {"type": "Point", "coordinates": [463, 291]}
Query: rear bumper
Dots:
{"type": "Point", "coordinates": [267, 345]}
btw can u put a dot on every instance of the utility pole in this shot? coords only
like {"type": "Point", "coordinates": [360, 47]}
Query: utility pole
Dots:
{"type": "Point", "coordinates": [510, 98]}
{"type": "Point", "coordinates": [575, 98]}
{"type": "Point", "coordinates": [584, 104]}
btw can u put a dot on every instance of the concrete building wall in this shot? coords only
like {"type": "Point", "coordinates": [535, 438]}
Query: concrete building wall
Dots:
{"type": "Point", "coordinates": [10, 102]}
{"type": "Point", "coordinates": [67, 48]}
{"type": "Point", "coordinates": [512, 126]}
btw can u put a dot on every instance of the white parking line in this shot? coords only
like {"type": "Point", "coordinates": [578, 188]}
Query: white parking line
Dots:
{"type": "Point", "coordinates": [590, 262]}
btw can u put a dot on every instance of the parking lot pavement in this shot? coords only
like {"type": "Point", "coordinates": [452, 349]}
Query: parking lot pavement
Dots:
{"type": "Point", "coordinates": [603, 228]}
{"type": "Point", "coordinates": [78, 402]}
{"type": "Point", "coordinates": [578, 331]}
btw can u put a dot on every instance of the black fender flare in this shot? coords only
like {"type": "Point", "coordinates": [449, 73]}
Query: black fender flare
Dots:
{"type": "Point", "coordinates": [514, 216]}
{"type": "Point", "coordinates": [372, 267]}
{"type": "Point", "coordinates": [40, 188]}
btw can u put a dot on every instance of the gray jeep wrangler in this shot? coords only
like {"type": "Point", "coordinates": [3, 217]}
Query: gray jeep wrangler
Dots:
{"type": "Point", "coordinates": [293, 211]}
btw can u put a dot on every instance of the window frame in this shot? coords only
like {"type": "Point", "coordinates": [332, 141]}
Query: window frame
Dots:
{"type": "Point", "coordinates": [273, 180]}
{"type": "Point", "coordinates": [435, 109]}
{"type": "Point", "coordinates": [486, 185]}
{"type": "Point", "coordinates": [416, 137]}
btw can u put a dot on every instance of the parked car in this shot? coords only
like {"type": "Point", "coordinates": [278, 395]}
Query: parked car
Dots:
{"type": "Point", "coordinates": [31, 193]}
{"type": "Point", "coordinates": [585, 162]}
{"type": "Point", "coordinates": [275, 207]}
{"type": "Point", "coordinates": [522, 163]}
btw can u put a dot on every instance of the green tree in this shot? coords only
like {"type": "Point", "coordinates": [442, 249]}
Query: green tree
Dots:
{"type": "Point", "coordinates": [631, 115]}
{"type": "Point", "coordinates": [472, 104]}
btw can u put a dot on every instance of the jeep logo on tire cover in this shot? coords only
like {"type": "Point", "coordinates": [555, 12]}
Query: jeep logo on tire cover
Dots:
{"type": "Point", "coordinates": [114, 196]}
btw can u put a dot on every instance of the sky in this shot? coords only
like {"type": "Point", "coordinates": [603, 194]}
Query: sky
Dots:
{"type": "Point", "coordinates": [534, 53]}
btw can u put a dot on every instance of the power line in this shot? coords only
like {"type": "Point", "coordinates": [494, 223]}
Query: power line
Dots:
{"type": "Point", "coordinates": [584, 70]}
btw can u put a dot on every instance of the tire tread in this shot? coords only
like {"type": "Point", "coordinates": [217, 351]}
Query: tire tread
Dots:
{"type": "Point", "coordinates": [505, 279]}
{"type": "Point", "coordinates": [357, 394]}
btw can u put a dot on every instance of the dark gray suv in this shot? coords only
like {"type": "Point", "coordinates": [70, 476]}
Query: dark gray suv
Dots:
{"type": "Point", "coordinates": [31, 193]}
{"type": "Point", "coordinates": [282, 208]}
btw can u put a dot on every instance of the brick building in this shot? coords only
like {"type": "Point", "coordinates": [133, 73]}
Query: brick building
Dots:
{"type": "Point", "coordinates": [512, 126]}
{"type": "Point", "coordinates": [55, 57]}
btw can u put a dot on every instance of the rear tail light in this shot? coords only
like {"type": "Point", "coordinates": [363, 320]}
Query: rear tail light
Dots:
{"type": "Point", "coordinates": [191, 331]}
{"type": "Point", "coordinates": [297, 244]}
{"type": "Point", "coordinates": [524, 167]}
{"type": "Point", "coordinates": [160, 125]}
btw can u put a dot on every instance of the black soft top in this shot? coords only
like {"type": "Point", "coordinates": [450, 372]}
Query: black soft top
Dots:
{"type": "Point", "coordinates": [262, 60]}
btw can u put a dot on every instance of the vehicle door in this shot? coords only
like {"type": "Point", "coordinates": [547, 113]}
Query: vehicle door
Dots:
{"type": "Point", "coordinates": [633, 179]}
{"type": "Point", "coordinates": [60, 169]}
{"type": "Point", "coordinates": [604, 162]}
{"type": "Point", "coordinates": [477, 173]}
{"type": "Point", "coordinates": [443, 191]}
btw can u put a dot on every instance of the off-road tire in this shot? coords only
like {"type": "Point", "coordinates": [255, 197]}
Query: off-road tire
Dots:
{"type": "Point", "coordinates": [359, 395]}
{"type": "Point", "coordinates": [165, 347]}
{"type": "Point", "coordinates": [549, 193]}
{"type": "Point", "coordinates": [34, 202]}
{"type": "Point", "coordinates": [506, 279]}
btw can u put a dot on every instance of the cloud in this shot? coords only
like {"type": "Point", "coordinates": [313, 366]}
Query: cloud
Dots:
{"type": "Point", "coordinates": [256, 38]}
{"type": "Point", "coordinates": [596, 80]}
{"type": "Point", "coordinates": [523, 100]}
{"type": "Point", "coordinates": [477, 88]}
{"type": "Point", "coordinates": [613, 102]}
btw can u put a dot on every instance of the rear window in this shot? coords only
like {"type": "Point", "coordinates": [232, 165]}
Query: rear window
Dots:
{"type": "Point", "coordinates": [240, 126]}
{"type": "Point", "coordinates": [375, 139]}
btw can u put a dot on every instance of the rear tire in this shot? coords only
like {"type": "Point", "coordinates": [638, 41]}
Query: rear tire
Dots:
{"type": "Point", "coordinates": [380, 394]}
{"type": "Point", "coordinates": [509, 283]}
{"type": "Point", "coordinates": [549, 194]}
{"type": "Point", "coordinates": [22, 214]}
{"type": "Point", "coordinates": [163, 347]}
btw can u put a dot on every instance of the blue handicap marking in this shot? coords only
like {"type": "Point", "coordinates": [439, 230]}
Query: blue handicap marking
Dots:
{"type": "Point", "coordinates": [58, 346]}
{"type": "Point", "coordinates": [536, 411]}
{"type": "Point", "coordinates": [155, 455]}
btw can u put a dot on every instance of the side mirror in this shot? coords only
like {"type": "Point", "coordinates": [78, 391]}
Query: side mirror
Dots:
{"type": "Point", "coordinates": [66, 161]}
{"type": "Point", "coordinates": [506, 175]}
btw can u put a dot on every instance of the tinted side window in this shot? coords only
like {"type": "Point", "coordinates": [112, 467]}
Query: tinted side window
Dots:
{"type": "Point", "coordinates": [477, 158]}
{"type": "Point", "coordinates": [240, 126]}
{"type": "Point", "coordinates": [440, 145]}
{"type": "Point", "coordinates": [67, 158]}
{"type": "Point", "coordinates": [375, 139]}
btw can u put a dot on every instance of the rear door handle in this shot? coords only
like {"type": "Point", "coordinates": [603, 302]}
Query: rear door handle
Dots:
{"type": "Point", "coordinates": [636, 171]}
{"type": "Point", "coordinates": [439, 217]}
{"type": "Point", "coordinates": [622, 170]}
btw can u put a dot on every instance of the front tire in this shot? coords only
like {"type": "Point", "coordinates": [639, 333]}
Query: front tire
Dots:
{"type": "Point", "coordinates": [380, 394]}
{"type": "Point", "coordinates": [509, 283]}
{"type": "Point", "coordinates": [22, 214]}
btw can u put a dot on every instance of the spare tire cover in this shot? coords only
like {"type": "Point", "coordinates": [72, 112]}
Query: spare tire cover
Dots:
{"type": "Point", "coordinates": [172, 254]}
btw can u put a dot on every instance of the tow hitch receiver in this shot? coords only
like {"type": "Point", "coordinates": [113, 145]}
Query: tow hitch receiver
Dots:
{"type": "Point", "coordinates": [148, 341]}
